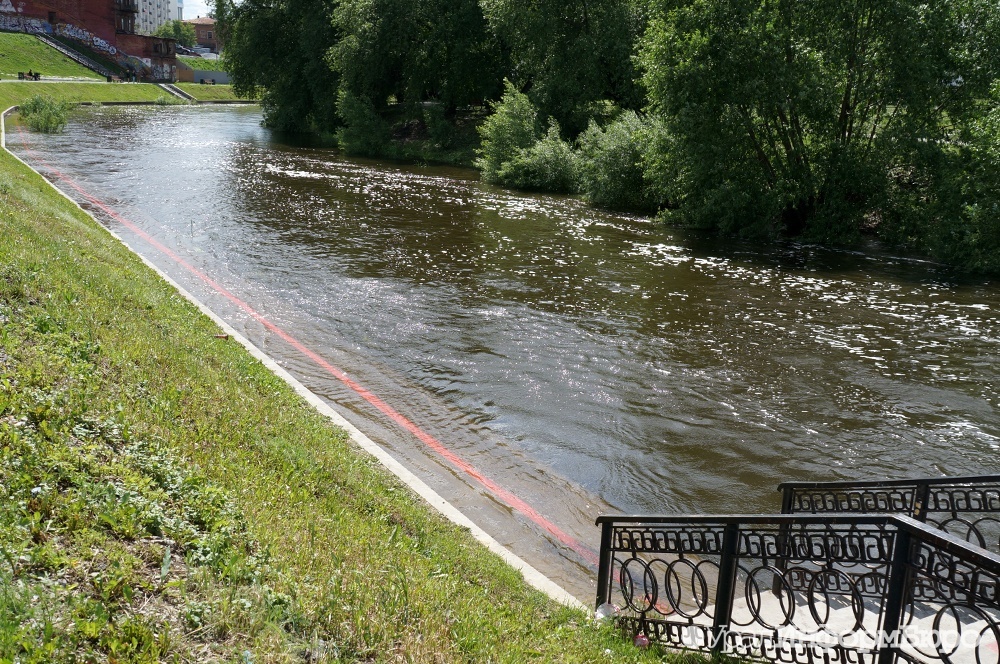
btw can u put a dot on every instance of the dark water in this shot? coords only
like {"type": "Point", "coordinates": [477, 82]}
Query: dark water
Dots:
{"type": "Point", "coordinates": [590, 362]}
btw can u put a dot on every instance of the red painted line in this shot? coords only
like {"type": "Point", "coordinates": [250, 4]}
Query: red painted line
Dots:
{"type": "Point", "coordinates": [433, 443]}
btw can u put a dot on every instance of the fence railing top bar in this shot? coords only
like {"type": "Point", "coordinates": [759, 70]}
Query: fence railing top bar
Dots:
{"type": "Point", "coordinates": [875, 484]}
{"type": "Point", "coordinates": [746, 519]}
{"type": "Point", "coordinates": [945, 541]}
{"type": "Point", "coordinates": [982, 558]}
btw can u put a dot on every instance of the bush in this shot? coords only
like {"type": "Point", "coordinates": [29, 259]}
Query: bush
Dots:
{"type": "Point", "coordinates": [612, 164]}
{"type": "Point", "coordinates": [45, 114]}
{"type": "Point", "coordinates": [512, 127]}
{"type": "Point", "coordinates": [548, 165]}
{"type": "Point", "coordinates": [364, 132]}
{"type": "Point", "coordinates": [948, 206]}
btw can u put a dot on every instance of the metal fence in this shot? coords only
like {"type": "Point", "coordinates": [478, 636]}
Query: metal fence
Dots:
{"type": "Point", "coordinates": [967, 507]}
{"type": "Point", "coordinates": [836, 588]}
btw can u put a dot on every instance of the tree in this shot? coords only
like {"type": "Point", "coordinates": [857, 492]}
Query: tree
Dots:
{"type": "Point", "coordinates": [276, 50]}
{"type": "Point", "coordinates": [568, 54]}
{"type": "Point", "coordinates": [805, 117]}
{"type": "Point", "coordinates": [179, 30]}
{"type": "Point", "coordinates": [416, 51]}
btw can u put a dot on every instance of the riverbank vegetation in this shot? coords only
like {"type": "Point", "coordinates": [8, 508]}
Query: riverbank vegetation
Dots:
{"type": "Point", "coordinates": [165, 497]}
{"type": "Point", "coordinates": [44, 114]}
{"type": "Point", "coordinates": [16, 93]}
{"type": "Point", "coordinates": [826, 121]}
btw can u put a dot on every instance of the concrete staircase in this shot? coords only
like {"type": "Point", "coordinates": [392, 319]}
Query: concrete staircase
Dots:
{"type": "Point", "coordinates": [75, 56]}
{"type": "Point", "coordinates": [176, 91]}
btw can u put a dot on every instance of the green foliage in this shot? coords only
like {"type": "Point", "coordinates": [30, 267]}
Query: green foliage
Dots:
{"type": "Point", "coordinates": [277, 52]}
{"type": "Point", "coordinates": [183, 32]}
{"type": "Point", "coordinates": [414, 51]}
{"type": "Point", "coordinates": [790, 117]}
{"type": "Point", "coordinates": [613, 164]}
{"type": "Point", "coordinates": [570, 54]}
{"type": "Point", "coordinates": [409, 72]}
{"type": "Point", "coordinates": [946, 203]}
{"type": "Point", "coordinates": [512, 127]}
{"type": "Point", "coordinates": [45, 114]}
{"type": "Point", "coordinates": [363, 131]}
{"type": "Point", "coordinates": [549, 164]}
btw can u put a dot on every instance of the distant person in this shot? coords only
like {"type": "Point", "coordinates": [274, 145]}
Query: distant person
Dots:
{"type": "Point", "coordinates": [31, 75]}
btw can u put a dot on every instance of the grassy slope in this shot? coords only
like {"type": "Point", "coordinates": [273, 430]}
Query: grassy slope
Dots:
{"type": "Point", "coordinates": [23, 52]}
{"type": "Point", "coordinates": [165, 496]}
{"type": "Point", "coordinates": [201, 64]}
{"type": "Point", "coordinates": [14, 93]}
{"type": "Point", "coordinates": [96, 56]}
{"type": "Point", "coordinates": [208, 92]}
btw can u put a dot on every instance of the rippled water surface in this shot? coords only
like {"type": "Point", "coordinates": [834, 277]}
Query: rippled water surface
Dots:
{"type": "Point", "coordinates": [589, 362]}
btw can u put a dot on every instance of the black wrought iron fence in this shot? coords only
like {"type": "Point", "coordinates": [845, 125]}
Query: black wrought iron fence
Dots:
{"type": "Point", "coordinates": [967, 507]}
{"type": "Point", "coordinates": [838, 588]}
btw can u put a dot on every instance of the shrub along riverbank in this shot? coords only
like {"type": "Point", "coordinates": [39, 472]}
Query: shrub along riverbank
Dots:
{"type": "Point", "coordinates": [761, 120]}
{"type": "Point", "coordinates": [164, 497]}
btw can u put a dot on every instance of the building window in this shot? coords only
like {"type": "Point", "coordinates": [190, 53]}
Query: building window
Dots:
{"type": "Point", "coordinates": [209, 33]}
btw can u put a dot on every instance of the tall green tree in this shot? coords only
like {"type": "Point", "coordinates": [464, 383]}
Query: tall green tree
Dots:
{"type": "Point", "coordinates": [179, 30]}
{"type": "Point", "coordinates": [806, 117]}
{"type": "Point", "coordinates": [568, 54]}
{"type": "Point", "coordinates": [416, 51]}
{"type": "Point", "coordinates": [276, 51]}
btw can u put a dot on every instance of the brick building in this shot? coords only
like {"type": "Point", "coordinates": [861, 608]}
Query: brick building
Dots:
{"type": "Point", "coordinates": [205, 34]}
{"type": "Point", "coordinates": [106, 26]}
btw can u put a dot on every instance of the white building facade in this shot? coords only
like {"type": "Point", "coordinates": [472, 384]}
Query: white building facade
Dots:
{"type": "Point", "coordinates": [154, 13]}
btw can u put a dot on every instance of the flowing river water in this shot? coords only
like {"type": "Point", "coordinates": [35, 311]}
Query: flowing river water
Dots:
{"type": "Point", "coordinates": [586, 362]}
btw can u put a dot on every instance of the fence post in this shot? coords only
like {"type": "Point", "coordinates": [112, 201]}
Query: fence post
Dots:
{"type": "Point", "coordinates": [921, 496]}
{"type": "Point", "coordinates": [728, 566]}
{"type": "Point", "coordinates": [780, 561]}
{"type": "Point", "coordinates": [604, 565]}
{"type": "Point", "coordinates": [896, 591]}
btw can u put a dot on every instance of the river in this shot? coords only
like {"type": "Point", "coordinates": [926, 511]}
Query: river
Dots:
{"type": "Point", "coordinates": [588, 362]}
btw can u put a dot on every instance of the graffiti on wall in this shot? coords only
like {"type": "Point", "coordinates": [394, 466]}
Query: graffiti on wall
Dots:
{"type": "Point", "coordinates": [72, 31]}
{"type": "Point", "coordinates": [15, 23]}
{"type": "Point", "coordinates": [11, 21]}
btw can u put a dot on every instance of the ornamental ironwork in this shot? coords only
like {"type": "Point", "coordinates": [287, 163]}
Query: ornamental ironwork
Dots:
{"type": "Point", "coordinates": [967, 507]}
{"type": "Point", "coordinates": [802, 589]}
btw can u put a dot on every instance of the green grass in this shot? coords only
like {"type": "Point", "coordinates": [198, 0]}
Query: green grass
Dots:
{"type": "Point", "coordinates": [164, 497]}
{"type": "Point", "coordinates": [19, 53]}
{"type": "Point", "coordinates": [11, 94]}
{"type": "Point", "coordinates": [208, 92]}
{"type": "Point", "coordinates": [202, 64]}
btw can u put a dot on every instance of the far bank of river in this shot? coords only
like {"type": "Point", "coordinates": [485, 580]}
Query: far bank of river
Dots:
{"type": "Point", "coordinates": [588, 362]}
